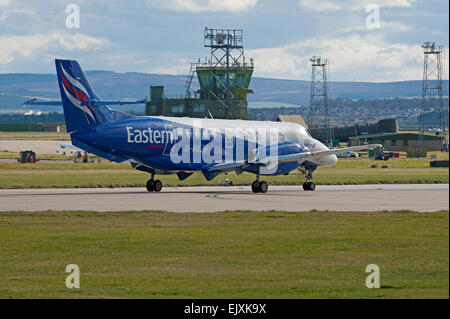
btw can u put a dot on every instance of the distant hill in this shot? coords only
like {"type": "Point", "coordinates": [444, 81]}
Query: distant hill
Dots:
{"type": "Point", "coordinates": [16, 88]}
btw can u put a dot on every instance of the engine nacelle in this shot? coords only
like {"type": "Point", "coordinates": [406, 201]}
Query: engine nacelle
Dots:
{"type": "Point", "coordinates": [273, 150]}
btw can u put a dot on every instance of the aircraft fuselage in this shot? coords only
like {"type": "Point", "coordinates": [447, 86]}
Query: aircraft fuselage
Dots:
{"type": "Point", "coordinates": [190, 144]}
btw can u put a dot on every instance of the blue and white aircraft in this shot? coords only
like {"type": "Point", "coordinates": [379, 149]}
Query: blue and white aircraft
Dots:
{"type": "Point", "coordinates": [182, 145]}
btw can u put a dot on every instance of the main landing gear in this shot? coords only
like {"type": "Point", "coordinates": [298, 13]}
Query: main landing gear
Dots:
{"type": "Point", "coordinates": [152, 185]}
{"type": "Point", "coordinates": [259, 186]}
{"type": "Point", "coordinates": [308, 185]}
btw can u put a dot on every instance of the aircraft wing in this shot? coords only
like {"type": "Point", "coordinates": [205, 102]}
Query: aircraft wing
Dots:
{"type": "Point", "coordinates": [310, 155]}
{"type": "Point", "coordinates": [226, 166]}
{"type": "Point", "coordinates": [288, 158]}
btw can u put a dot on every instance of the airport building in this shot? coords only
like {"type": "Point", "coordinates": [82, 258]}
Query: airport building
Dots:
{"type": "Point", "coordinates": [399, 142]}
{"type": "Point", "coordinates": [224, 81]}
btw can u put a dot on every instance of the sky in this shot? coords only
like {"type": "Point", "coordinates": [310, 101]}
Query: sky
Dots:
{"type": "Point", "coordinates": [164, 36]}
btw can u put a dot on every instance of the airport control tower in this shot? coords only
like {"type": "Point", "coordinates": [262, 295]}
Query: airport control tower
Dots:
{"type": "Point", "coordinates": [224, 79]}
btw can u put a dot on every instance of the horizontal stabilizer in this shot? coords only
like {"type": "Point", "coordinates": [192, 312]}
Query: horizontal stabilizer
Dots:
{"type": "Point", "coordinates": [85, 103]}
{"type": "Point", "coordinates": [35, 102]}
{"type": "Point", "coordinates": [68, 145]}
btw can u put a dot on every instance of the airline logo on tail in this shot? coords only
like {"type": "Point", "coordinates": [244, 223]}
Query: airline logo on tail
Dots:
{"type": "Point", "coordinates": [78, 93]}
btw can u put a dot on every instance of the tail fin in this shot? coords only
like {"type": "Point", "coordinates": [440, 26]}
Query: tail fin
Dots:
{"type": "Point", "coordinates": [77, 96]}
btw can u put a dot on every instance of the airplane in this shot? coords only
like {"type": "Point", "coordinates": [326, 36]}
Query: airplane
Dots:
{"type": "Point", "coordinates": [182, 145]}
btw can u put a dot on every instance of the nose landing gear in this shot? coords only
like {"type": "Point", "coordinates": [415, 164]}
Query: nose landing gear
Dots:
{"type": "Point", "coordinates": [308, 185]}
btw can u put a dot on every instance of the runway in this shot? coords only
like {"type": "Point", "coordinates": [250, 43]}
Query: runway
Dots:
{"type": "Point", "coordinates": [417, 197]}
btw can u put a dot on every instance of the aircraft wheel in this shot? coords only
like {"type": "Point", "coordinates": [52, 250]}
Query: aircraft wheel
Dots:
{"type": "Point", "coordinates": [255, 187]}
{"type": "Point", "coordinates": [309, 186]}
{"type": "Point", "coordinates": [150, 185]}
{"type": "Point", "coordinates": [157, 186]}
{"type": "Point", "coordinates": [263, 187]}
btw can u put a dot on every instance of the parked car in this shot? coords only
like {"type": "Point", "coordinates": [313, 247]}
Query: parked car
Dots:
{"type": "Point", "coordinates": [348, 155]}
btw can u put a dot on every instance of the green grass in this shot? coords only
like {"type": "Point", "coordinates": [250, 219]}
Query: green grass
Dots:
{"type": "Point", "coordinates": [45, 136]}
{"type": "Point", "coordinates": [224, 255]}
{"type": "Point", "coordinates": [439, 155]}
{"type": "Point", "coordinates": [107, 174]}
{"type": "Point", "coordinates": [104, 164]}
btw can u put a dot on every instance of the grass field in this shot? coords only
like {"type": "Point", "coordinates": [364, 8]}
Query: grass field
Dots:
{"type": "Point", "coordinates": [224, 255]}
{"type": "Point", "coordinates": [44, 136]}
{"type": "Point", "coordinates": [107, 174]}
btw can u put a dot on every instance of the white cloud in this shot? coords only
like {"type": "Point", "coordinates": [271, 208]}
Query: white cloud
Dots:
{"type": "Point", "coordinates": [351, 5]}
{"type": "Point", "coordinates": [8, 13]}
{"type": "Point", "coordinates": [4, 3]}
{"type": "Point", "coordinates": [233, 6]}
{"type": "Point", "coordinates": [28, 46]}
{"type": "Point", "coordinates": [179, 66]}
{"type": "Point", "coordinates": [392, 26]}
{"type": "Point", "coordinates": [281, 62]}
{"type": "Point", "coordinates": [395, 26]}
{"type": "Point", "coordinates": [352, 58]}
{"type": "Point", "coordinates": [316, 5]}
{"type": "Point", "coordinates": [157, 62]}
{"type": "Point", "coordinates": [79, 41]}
